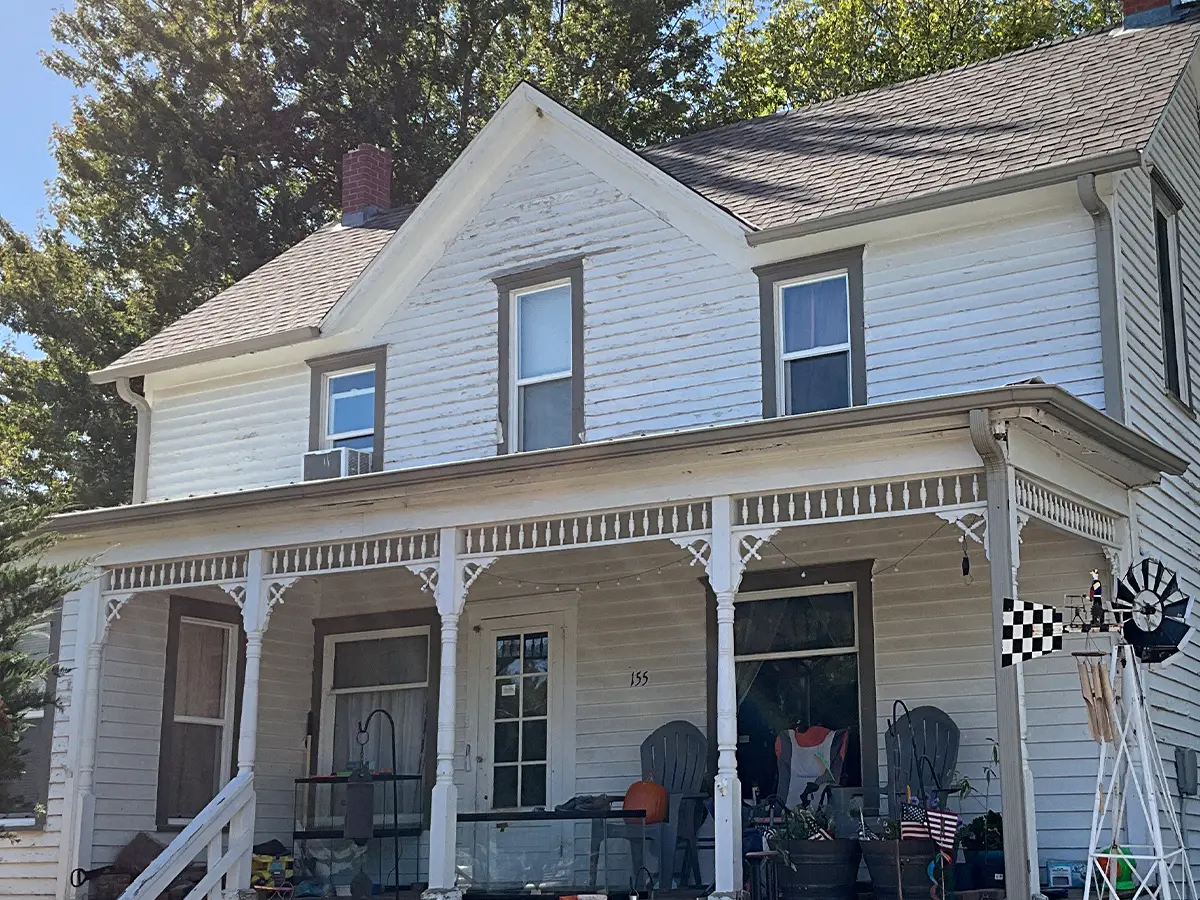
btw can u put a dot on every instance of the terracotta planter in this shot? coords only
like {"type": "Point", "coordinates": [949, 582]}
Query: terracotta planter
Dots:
{"type": "Point", "coordinates": [819, 870]}
{"type": "Point", "coordinates": [897, 866]}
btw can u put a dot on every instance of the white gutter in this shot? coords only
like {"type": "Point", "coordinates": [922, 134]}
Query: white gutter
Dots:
{"type": "Point", "coordinates": [141, 453]}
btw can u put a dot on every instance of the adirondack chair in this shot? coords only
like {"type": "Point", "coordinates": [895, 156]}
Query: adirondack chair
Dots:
{"type": "Point", "coordinates": [922, 751]}
{"type": "Point", "coordinates": [675, 756]}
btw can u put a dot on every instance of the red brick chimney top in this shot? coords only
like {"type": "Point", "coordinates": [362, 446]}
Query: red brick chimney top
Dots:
{"type": "Point", "coordinates": [1146, 12]}
{"type": "Point", "coordinates": [366, 183]}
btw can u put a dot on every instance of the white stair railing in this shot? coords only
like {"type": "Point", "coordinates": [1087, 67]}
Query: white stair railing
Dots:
{"type": "Point", "coordinates": [234, 807]}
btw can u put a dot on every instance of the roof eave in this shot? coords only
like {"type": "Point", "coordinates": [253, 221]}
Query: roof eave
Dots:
{"type": "Point", "coordinates": [1072, 412]}
{"type": "Point", "coordinates": [206, 354]}
{"type": "Point", "coordinates": [983, 190]}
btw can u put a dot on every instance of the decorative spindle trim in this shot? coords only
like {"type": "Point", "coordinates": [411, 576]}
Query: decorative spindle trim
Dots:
{"type": "Point", "coordinates": [1066, 512]}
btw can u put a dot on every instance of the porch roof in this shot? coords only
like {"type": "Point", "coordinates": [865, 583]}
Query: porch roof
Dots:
{"type": "Point", "coordinates": [1124, 455]}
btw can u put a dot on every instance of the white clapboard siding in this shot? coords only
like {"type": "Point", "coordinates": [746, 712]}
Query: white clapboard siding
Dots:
{"type": "Point", "coordinates": [1168, 524]}
{"type": "Point", "coordinates": [671, 331]}
{"type": "Point", "coordinates": [229, 433]}
{"type": "Point", "coordinates": [986, 305]}
{"type": "Point", "coordinates": [29, 867]}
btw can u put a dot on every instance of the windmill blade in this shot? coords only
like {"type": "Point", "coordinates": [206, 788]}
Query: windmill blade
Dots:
{"type": "Point", "coordinates": [1177, 610]}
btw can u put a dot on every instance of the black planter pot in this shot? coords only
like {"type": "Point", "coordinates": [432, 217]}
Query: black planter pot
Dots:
{"type": "Point", "coordinates": [897, 866]}
{"type": "Point", "coordinates": [987, 867]}
{"type": "Point", "coordinates": [819, 870]}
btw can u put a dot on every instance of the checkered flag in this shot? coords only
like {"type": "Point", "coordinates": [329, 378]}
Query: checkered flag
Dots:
{"type": "Point", "coordinates": [1030, 630]}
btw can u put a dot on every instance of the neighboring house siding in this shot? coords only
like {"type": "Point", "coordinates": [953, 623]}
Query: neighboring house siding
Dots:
{"type": "Point", "coordinates": [1168, 525]}
{"type": "Point", "coordinates": [671, 331]}
{"type": "Point", "coordinates": [228, 434]}
{"type": "Point", "coordinates": [986, 305]}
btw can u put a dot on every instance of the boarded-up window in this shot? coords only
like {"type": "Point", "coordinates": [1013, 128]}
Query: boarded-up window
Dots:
{"type": "Point", "coordinates": [199, 708]}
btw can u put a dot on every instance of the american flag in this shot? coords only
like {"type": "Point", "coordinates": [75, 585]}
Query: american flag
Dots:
{"type": "Point", "coordinates": [918, 823]}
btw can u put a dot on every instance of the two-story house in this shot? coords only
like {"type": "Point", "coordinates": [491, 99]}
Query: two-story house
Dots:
{"type": "Point", "coordinates": [753, 431]}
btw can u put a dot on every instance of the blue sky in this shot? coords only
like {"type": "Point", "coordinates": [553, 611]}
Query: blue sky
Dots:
{"type": "Point", "coordinates": [33, 100]}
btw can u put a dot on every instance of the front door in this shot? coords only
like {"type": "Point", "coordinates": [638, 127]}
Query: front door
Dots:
{"type": "Point", "coordinates": [521, 751]}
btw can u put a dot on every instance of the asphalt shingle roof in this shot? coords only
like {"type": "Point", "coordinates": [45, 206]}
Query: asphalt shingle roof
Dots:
{"type": "Point", "coordinates": [1058, 103]}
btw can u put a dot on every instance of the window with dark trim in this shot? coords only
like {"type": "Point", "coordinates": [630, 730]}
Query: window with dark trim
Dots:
{"type": "Point", "coordinates": [813, 342]}
{"type": "Point", "coordinates": [1170, 295]}
{"type": "Point", "coordinates": [805, 660]}
{"type": "Point", "coordinates": [202, 692]}
{"type": "Point", "coordinates": [403, 652]}
{"type": "Point", "coordinates": [347, 402]}
{"type": "Point", "coordinates": [541, 357]}
{"type": "Point", "coordinates": [32, 789]}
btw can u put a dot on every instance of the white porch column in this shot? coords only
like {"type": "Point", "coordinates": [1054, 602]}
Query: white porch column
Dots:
{"type": "Point", "coordinates": [724, 574]}
{"type": "Point", "coordinates": [1016, 795]}
{"type": "Point", "coordinates": [261, 594]}
{"type": "Point", "coordinates": [451, 581]}
{"type": "Point", "coordinates": [92, 630]}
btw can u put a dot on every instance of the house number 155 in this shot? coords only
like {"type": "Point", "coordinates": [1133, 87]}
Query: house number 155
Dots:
{"type": "Point", "coordinates": [639, 679]}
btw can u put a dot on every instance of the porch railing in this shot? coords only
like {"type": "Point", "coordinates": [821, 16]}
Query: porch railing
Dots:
{"type": "Point", "coordinates": [234, 807]}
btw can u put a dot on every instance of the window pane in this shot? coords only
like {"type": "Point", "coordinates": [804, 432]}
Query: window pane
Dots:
{"type": "Point", "coordinates": [533, 785]}
{"type": "Point", "coordinates": [537, 652]}
{"type": "Point", "coordinates": [504, 790]}
{"type": "Point", "coordinates": [533, 745]}
{"type": "Point", "coordinates": [1166, 293]}
{"type": "Point", "coordinates": [535, 695]}
{"type": "Point", "coordinates": [508, 698]}
{"type": "Point", "coordinates": [200, 670]}
{"type": "Point", "coordinates": [781, 694]}
{"type": "Point", "coordinates": [506, 746]}
{"type": "Point", "coordinates": [407, 707]}
{"type": "Point", "coordinates": [545, 415]}
{"type": "Point", "coordinates": [817, 622]}
{"type": "Point", "coordinates": [544, 332]}
{"type": "Point", "coordinates": [355, 412]}
{"type": "Point", "coordinates": [366, 442]}
{"type": "Point", "coordinates": [818, 382]}
{"type": "Point", "coordinates": [392, 660]}
{"type": "Point", "coordinates": [355, 381]}
{"type": "Point", "coordinates": [508, 655]}
{"type": "Point", "coordinates": [816, 314]}
{"type": "Point", "coordinates": [194, 770]}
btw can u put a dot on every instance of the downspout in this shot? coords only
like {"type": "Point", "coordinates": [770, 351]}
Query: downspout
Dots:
{"type": "Point", "coordinates": [141, 453]}
{"type": "Point", "coordinates": [1021, 870]}
{"type": "Point", "coordinates": [1106, 276]}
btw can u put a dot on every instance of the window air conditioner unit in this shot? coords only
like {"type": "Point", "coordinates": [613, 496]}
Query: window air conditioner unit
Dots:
{"type": "Point", "coordinates": [336, 463]}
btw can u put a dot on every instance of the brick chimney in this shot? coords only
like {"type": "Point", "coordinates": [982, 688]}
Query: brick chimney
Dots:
{"type": "Point", "coordinates": [1141, 13]}
{"type": "Point", "coordinates": [366, 183]}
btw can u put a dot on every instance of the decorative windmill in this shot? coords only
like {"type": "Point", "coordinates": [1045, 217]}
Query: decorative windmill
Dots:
{"type": "Point", "coordinates": [1150, 615]}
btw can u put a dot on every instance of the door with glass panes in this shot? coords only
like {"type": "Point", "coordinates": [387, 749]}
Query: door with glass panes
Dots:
{"type": "Point", "coordinates": [518, 755]}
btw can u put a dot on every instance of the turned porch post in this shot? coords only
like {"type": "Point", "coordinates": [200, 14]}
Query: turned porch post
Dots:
{"type": "Point", "coordinates": [92, 630]}
{"type": "Point", "coordinates": [724, 575]}
{"type": "Point", "coordinates": [1016, 796]}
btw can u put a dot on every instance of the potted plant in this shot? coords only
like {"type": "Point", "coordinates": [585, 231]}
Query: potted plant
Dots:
{"type": "Point", "coordinates": [982, 841]}
{"type": "Point", "coordinates": [899, 868]}
{"type": "Point", "coordinates": [814, 863]}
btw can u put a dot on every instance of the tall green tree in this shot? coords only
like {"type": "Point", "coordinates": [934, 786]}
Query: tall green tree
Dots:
{"type": "Point", "coordinates": [29, 592]}
{"type": "Point", "coordinates": [782, 54]}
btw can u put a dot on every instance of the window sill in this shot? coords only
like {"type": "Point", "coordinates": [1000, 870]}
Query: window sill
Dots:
{"type": "Point", "coordinates": [1178, 403]}
{"type": "Point", "coordinates": [22, 823]}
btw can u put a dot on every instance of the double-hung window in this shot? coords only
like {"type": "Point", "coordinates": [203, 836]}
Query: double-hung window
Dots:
{"type": "Point", "coordinates": [541, 352]}
{"type": "Point", "coordinates": [347, 402]}
{"type": "Point", "coordinates": [812, 334]}
{"type": "Point", "coordinates": [23, 800]}
{"type": "Point", "coordinates": [1174, 328]}
{"type": "Point", "coordinates": [199, 708]}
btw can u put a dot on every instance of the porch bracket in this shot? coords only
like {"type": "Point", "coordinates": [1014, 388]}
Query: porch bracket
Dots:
{"type": "Point", "coordinates": [971, 523]}
{"type": "Point", "coordinates": [1020, 848]}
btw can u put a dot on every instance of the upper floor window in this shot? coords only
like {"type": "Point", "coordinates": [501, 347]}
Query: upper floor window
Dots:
{"type": "Point", "coordinates": [346, 408]}
{"type": "Point", "coordinates": [812, 333]}
{"type": "Point", "coordinates": [1174, 330]}
{"type": "Point", "coordinates": [541, 358]}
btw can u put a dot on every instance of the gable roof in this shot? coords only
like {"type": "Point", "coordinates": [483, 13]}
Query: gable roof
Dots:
{"type": "Point", "coordinates": [1090, 102]}
{"type": "Point", "coordinates": [1073, 100]}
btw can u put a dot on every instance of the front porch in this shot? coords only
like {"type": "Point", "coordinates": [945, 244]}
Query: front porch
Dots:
{"type": "Point", "coordinates": [526, 663]}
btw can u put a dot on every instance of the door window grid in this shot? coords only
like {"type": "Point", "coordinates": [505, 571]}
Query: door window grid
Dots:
{"type": "Point", "coordinates": [342, 390]}
{"type": "Point", "coordinates": [819, 348]}
{"type": "Point", "coordinates": [227, 700]}
{"type": "Point", "coordinates": [521, 720]}
{"type": "Point", "coordinates": [542, 380]}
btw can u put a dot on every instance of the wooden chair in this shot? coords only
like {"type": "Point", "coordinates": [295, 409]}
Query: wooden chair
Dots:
{"type": "Point", "coordinates": [922, 751]}
{"type": "Point", "coordinates": [676, 757]}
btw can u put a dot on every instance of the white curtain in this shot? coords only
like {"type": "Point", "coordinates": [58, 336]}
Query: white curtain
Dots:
{"type": "Point", "coordinates": [408, 708]}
